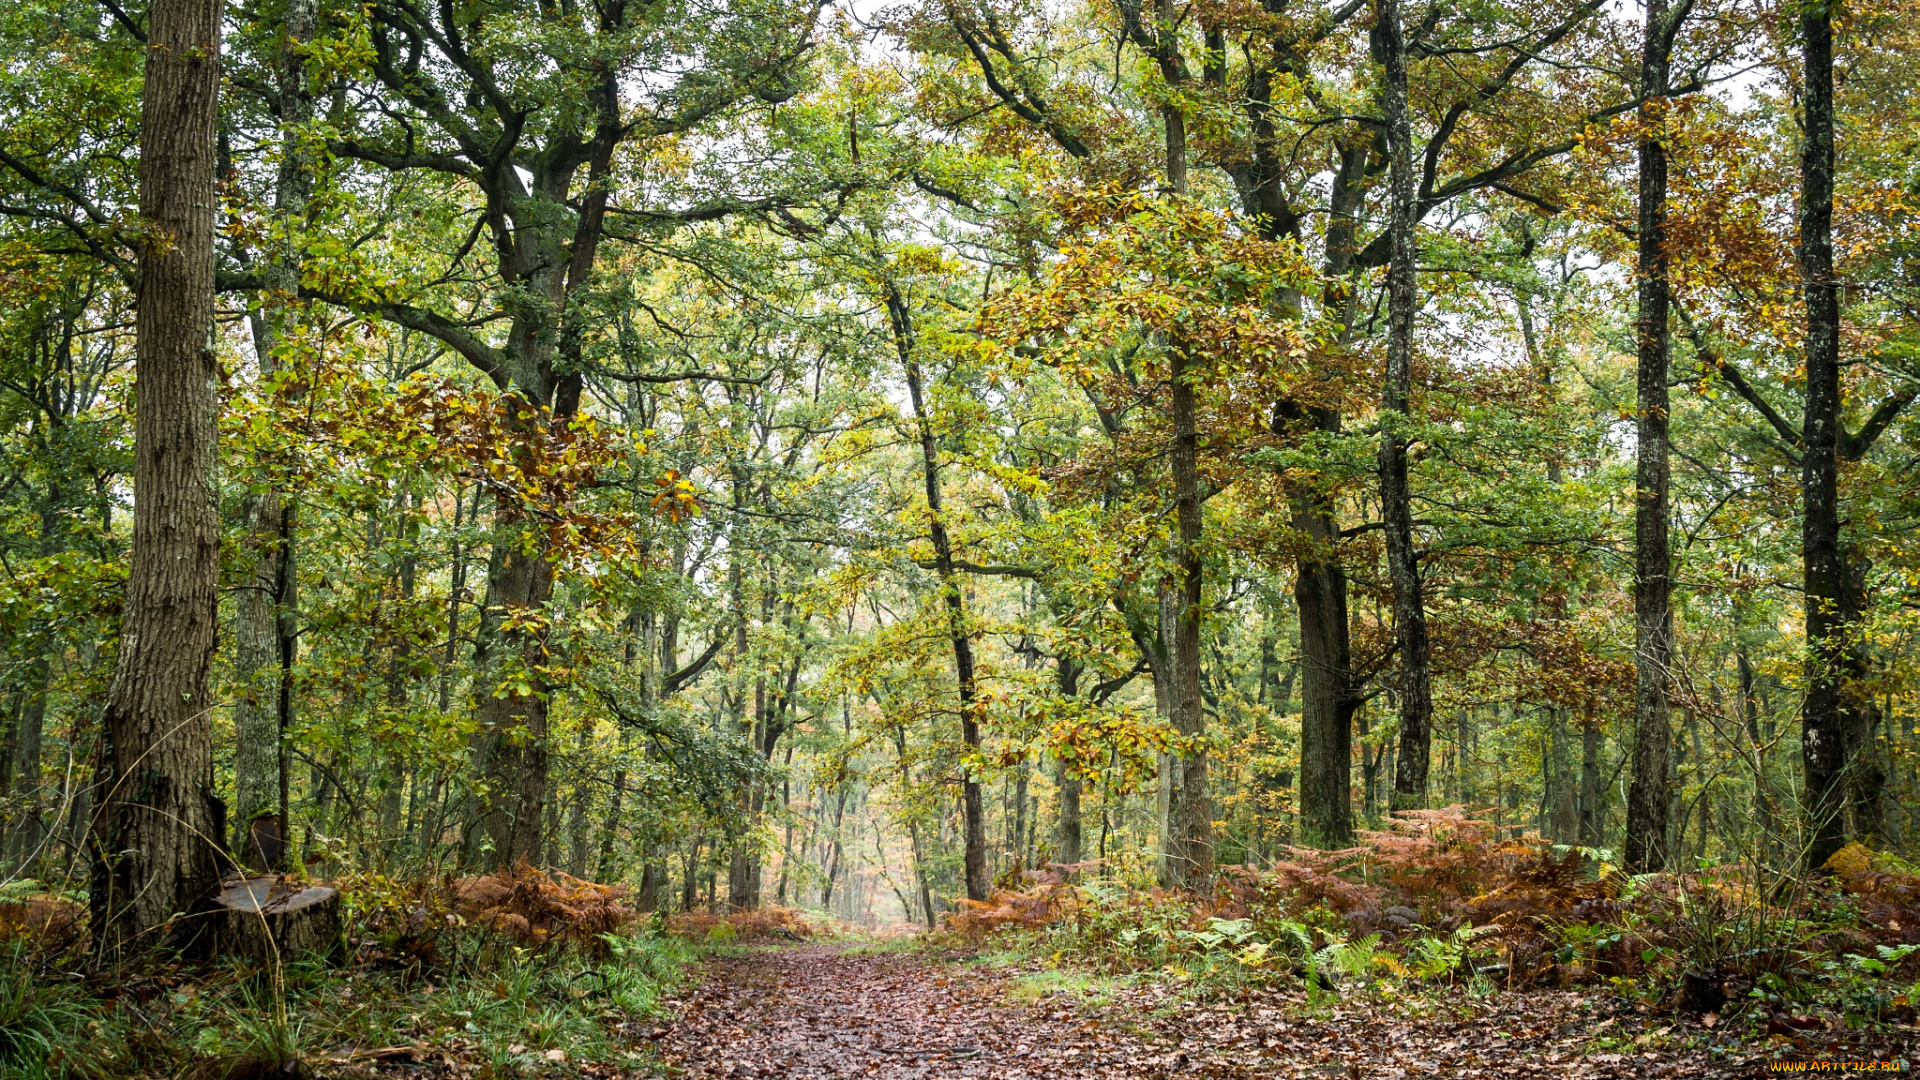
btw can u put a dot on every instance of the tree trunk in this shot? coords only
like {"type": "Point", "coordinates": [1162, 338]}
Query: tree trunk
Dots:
{"type": "Point", "coordinates": [1823, 749]}
{"type": "Point", "coordinates": [689, 891]}
{"type": "Point", "coordinates": [1565, 811]}
{"type": "Point", "coordinates": [975, 858]}
{"type": "Point", "coordinates": [1591, 818]}
{"type": "Point", "coordinates": [156, 841]}
{"type": "Point", "coordinates": [652, 876]}
{"type": "Point", "coordinates": [1190, 857]}
{"type": "Point", "coordinates": [1327, 700]}
{"type": "Point", "coordinates": [1070, 841]}
{"type": "Point", "coordinates": [265, 619]}
{"type": "Point", "coordinates": [1647, 798]}
{"type": "Point", "coordinates": [1396, 499]}
{"type": "Point", "coordinates": [833, 859]}
{"type": "Point", "coordinates": [510, 747]}
{"type": "Point", "coordinates": [1762, 790]}
{"type": "Point", "coordinates": [1862, 716]}
{"type": "Point", "coordinates": [578, 849]}
{"type": "Point", "coordinates": [29, 728]}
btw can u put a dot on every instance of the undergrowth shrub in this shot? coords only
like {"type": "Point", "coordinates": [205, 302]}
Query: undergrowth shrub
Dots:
{"type": "Point", "coordinates": [790, 924]}
{"type": "Point", "coordinates": [439, 969]}
{"type": "Point", "coordinates": [456, 925]}
{"type": "Point", "coordinates": [1441, 897]}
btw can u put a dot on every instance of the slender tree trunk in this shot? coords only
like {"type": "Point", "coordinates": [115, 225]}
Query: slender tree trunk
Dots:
{"type": "Point", "coordinates": [1591, 819]}
{"type": "Point", "coordinates": [1396, 505]}
{"type": "Point", "coordinates": [833, 859]}
{"type": "Point", "coordinates": [29, 727]}
{"type": "Point", "coordinates": [786, 842]}
{"type": "Point", "coordinates": [1762, 790]}
{"type": "Point", "coordinates": [1823, 749]}
{"type": "Point", "coordinates": [975, 857]}
{"type": "Point", "coordinates": [1016, 841]}
{"type": "Point", "coordinates": [1648, 797]}
{"type": "Point", "coordinates": [264, 619]}
{"type": "Point", "coordinates": [690, 886]}
{"type": "Point", "coordinates": [1189, 857]}
{"type": "Point", "coordinates": [1070, 842]}
{"type": "Point", "coordinates": [1190, 860]}
{"type": "Point", "coordinates": [1565, 810]}
{"type": "Point", "coordinates": [157, 839]}
{"type": "Point", "coordinates": [579, 849]}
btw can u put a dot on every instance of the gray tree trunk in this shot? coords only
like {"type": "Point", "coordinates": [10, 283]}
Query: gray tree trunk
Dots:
{"type": "Point", "coordinates": [1396, 497]}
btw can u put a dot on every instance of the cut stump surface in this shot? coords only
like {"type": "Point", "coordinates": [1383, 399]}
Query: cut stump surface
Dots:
{"type": "Point", "coordinates": [269, 918]}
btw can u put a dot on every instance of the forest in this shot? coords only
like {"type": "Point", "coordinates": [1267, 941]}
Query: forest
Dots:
{"type": "Point", "coordinates": [959, 538]}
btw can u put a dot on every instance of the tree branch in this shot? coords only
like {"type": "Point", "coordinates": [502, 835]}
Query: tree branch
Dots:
{"type": "Point", "coordinates": [995, 570]}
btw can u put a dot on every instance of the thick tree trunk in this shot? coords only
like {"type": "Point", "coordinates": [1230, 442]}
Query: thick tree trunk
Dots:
{"type": "Point", "coordinates": [156, 840]}
{"type": "Point", "coordinates": [979, 883]}
{"type": "Point", "coordinates": [1823, 732]}
{"type": "Point", "coordinates": [652, 876]}
{"type": "Point", "coordinates": [1327, 700]}
{"type": "Point", "coordinates": [1648, 797]}
{"type": "Point", "coordinates": [1396, 499]}
{"type": "Point", "coordinates": [510, 747]}
{"type": "Point", "coordinates": [1329, 688]}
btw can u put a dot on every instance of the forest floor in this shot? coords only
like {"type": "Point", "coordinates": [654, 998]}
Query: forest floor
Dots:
{"type": "Point", "coordinates": [822, 1011]}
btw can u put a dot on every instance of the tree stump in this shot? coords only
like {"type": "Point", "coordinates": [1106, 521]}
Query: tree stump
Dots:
{"type": "Point", "coordinates": [270, 919]}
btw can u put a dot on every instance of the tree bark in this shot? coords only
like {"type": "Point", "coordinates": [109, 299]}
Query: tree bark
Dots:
{"type": "Point", "coordinates": [1648, 797]}
{"type": "Point", "coordinates": [510, 745]}
{"type": "Point", "coordinates": [156, 842]}
{"type": "Point", "coordinates": [1396, 499]}
{"type": "Point", "coordinates": [1070, 841]}
{"type": "Point", "coordinates": [1823, 735]}
{"type": "Point", "coordinates": [1327, 700]}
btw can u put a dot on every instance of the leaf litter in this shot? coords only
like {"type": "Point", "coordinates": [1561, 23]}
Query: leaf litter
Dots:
{"type": "Point", "coordinates": [823, 1012]}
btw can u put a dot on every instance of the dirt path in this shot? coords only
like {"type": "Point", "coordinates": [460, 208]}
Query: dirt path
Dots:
{"type": "Point", "coordinates": [818, 1011]}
